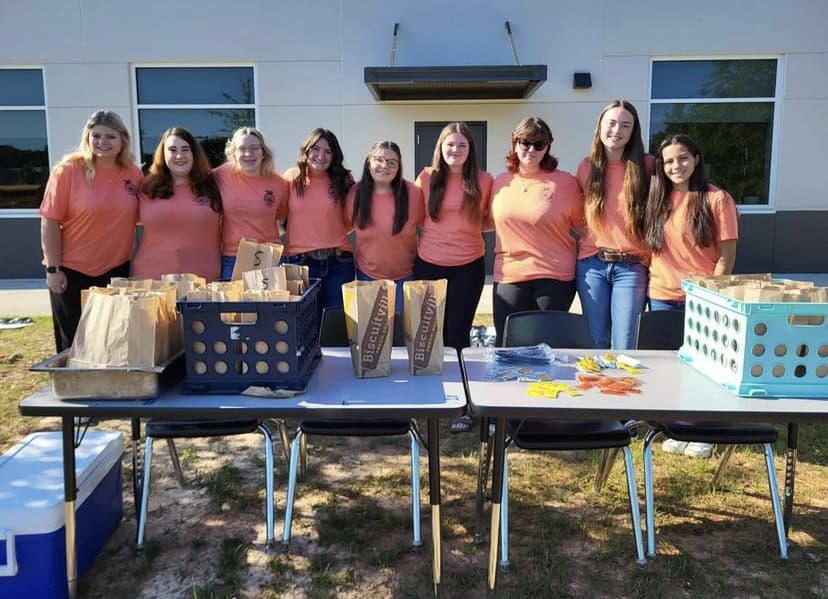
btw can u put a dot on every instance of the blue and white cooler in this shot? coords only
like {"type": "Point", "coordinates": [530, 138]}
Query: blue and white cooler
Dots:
{"type": "Point", "coordinates": [32, 523]}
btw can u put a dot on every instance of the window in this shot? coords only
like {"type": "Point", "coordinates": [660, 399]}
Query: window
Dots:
{"type": "Point", "coordinates": [730, 108]}
{"type": "Point", "coordinates": [210, 102]}
{"type": "Point", "coordinates": [24, 148]}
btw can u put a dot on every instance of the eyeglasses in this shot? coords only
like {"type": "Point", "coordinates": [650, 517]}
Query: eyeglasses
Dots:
{"type": "Point", "coordinates": [249, 149]}
{"type": "Point", "coordinates": [526, 144]}
{"type": "Point", "coordinates": [387, 163]}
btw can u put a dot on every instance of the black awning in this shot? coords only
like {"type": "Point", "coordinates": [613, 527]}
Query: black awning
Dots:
{"type": "Point", "coordinates": [501, 82]}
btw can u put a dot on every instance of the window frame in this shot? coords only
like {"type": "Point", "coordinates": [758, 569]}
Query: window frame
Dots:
{"type": "Point", "coordinates": [133, 68]}
{"type": "Point", "coordinates": [776, 100]}
{"type": "Point", "coordinates": [30, 212]}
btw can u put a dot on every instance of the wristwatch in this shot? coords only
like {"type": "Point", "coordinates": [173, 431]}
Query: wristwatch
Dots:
{"type": "Point", "coordinates": [52, 269]}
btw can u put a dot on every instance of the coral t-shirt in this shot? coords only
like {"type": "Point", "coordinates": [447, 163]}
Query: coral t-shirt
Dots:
{"type": "Point", "coordinates": [681, 257]}
{"type": "Point", "coordinates": [533, 218]}
{"type": "Point", "coordinates": [315, 220]}
{"type": "Point", "coordinates": [97, 220]}
{"type": "Point", "coordinates": [614, 233]}
{"type": "Point", "coordinates": [454, 239]}
{"type": "Point", "coordinates": [252, 207]}
{"type": "Point", "coordinates": [379, 253]}
{"type": "Point", "coordinates": [181, 234]}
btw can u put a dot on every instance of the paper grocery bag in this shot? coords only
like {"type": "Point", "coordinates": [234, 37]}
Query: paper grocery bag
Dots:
{"type": "Point", "coordinates": [117, 331]}
{"type": "Point", "coordinates": [255, 255]}
{"type": "Point", "coordinates": [369, 320]}
{"type": "Point", "coordinates": [424, 305]}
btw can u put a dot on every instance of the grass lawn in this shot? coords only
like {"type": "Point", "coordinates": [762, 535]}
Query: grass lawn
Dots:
{"type": "Point", "coordinates": [352, 526]}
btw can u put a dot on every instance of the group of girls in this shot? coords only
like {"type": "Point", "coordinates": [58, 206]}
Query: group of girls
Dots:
{"type": "Point", "coordinates": [609, 232]}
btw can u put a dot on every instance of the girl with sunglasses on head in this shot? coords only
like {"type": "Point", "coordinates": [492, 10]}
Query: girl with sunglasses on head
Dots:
{"type": "Point", "coordinates": [691, 226]}
{"type": "Point", "coordinates": [385, 210]}
{"type": "Point", "coordinates": [317, 224]}
{"type": "Point", "coordinates": [180, 209]}
{"type": "Point", "coordinates": [456, 202]}
{"type": "Point", "coordinates": [87, 219]}
{"type": "Point", "coordinates": [253, 195]}
{"type": "Point", "coordinates": [535, 206]}
{"type": "Point", "coordinates": [612, 258]}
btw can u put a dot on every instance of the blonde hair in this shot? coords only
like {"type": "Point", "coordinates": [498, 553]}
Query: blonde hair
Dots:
{"type": "Point", "coordinates": [267, 168]}
{"type": "Point", "coordinates": [107, 118]}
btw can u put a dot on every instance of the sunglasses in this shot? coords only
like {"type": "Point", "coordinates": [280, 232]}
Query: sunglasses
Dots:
{"type": "Point", "coordinates": [526, 144]}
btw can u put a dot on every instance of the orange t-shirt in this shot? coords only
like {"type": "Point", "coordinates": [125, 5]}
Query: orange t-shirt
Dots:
{"type": "Point", "coordinates": [315, 220]}
{"type": "Point", "coordinates": [613, 234]}
{"type": "Point", "coordinates": [97, 221]}
{"type": "Point", "coordinates": [681, 257]}
{"type": "Point", "coordinates": [379, 254]}
{"type": "Point", "coordinates": [181, 234]}
{"type": "Point", "coordinates": [453, 240]}
{"type": "Point", "coordinates": [252, 206]}
{"type": "Point", "coordinates": [533, 218]}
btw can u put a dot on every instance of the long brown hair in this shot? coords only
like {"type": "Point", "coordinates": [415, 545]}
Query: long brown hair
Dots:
{"type": "Point", "coordinates": [440, 172]}
{"type": "Point", "coordinates": [340, 177]}
{"type": "Point", "coordinates": [365, 190]}
{"type": "Point", "coordinates": [699, 216]}
{"type": "Point", "coordinates": [532, 128]}
{"type": "Point", "coordinates": [158, 184]}
{"type": "Point", "coordinates": [635, 175]}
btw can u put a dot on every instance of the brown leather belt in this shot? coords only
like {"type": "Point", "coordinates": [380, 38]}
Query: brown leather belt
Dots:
{"type": "Point", "coordinates": [608, 255]}
{"type": "Point", "coordinates": [324, 254]}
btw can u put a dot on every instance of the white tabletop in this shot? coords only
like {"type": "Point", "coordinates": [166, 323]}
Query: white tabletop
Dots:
{"type": "Point", "coordinates": [333, 391]}
{"type": "Point", "coordinates": [670, 390]}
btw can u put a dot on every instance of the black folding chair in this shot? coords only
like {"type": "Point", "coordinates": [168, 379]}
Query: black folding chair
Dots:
{"type": "Point", "coordinates": [562, 330]}
{"type": "Point", "coordinates": [664, 329]}
{"type": "Point", "coordinates": [333, 333]}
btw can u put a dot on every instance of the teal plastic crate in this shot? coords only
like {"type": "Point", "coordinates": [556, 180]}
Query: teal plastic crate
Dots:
{"type": "Point", "coordinates": [757, 349]}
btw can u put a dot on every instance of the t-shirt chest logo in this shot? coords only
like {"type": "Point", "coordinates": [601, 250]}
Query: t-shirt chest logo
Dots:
{"type": "Point", "coordinates": [201, 200]}
{"type": "Point", "coordinates": [268, 198]}
{"type": "Point", "coordinates": [130, 188]}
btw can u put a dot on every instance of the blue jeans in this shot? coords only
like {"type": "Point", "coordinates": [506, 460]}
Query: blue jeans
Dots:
{"type": "Point", "coordinates": [398, 302]}
{"type": "Point", "coordinates": [333, 270]}
{"type": "Point", "coordinates": [227, 264]}
{"type": "Point", "coordinates": [612, 298]}
{"type": "Point", "coordinates": [657, 304]}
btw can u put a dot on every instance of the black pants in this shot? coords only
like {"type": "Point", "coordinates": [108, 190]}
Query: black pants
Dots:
{"type": "Point", "coordinates": [66, 306]}
{"type": "Point", "coordinates": [539, 294]}
{"type": "Point", "coordinates": [465, 284]}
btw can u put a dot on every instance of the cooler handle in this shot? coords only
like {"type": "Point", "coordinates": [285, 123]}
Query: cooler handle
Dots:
{"type": "Point", "coordinates": [10, 568]}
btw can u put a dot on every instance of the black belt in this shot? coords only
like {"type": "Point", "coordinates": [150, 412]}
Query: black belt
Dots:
{"type": "Point", "coordinates": [324, 254]}
{"type": "Point", "coordinates": [608, 255]}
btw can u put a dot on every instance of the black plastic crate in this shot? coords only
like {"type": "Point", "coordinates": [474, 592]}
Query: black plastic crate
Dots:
{"type": "Point", "coordinates": [272, 344]}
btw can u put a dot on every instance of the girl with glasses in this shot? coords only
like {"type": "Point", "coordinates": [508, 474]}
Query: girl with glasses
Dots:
{"type": "Point", "coordinates": [180, 209]}
{"type": "Point", "coordinates": [254, 196]}
{"type": "Point", "coordinates": [385, 210]}
{"type": "Point", "coordinates": [612, 258]}
{"type": "Point", "coordinates": [87, 219]}
{"type": "Point", "coordinates": [535, 206]}
{"type": "Point", "coordinates": [317, 225]}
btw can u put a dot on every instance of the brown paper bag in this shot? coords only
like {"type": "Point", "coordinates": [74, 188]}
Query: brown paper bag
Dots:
{"type": "Point", "coordinates": [255, 255]}
{"type": "Point", "coordinates": [265, 279]}
{"type": "Point", "coordinates": [117, 331]}
{"type": "Point", "coordinates": [369, 320]}
{"type": "Point", "coordinates": [424, 306]}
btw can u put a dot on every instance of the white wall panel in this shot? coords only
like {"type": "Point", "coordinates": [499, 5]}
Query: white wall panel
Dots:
{"type": "Point", "coordinates": [87, 84]}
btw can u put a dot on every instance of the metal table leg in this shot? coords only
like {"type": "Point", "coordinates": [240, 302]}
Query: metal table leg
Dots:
{"type": "Point", "coordinates": [434, 496]}
{"type": "Point", "coordinates": [497, 497]}
{"type": "Point", "coordinates": [483, 459]}
{"type": "Point", "coordinates": [69, 497]}
{"type": "Point", "coordinates": [136, 478]}
{"type": "Point", "coordinates": [790, 473]}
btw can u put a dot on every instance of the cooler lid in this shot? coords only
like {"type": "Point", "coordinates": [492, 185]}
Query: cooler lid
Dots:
{"type": "Point", "coordinates": [31, 478]}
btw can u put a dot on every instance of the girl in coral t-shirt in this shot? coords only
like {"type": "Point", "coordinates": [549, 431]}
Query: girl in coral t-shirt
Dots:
{"type": "Point", "coordinates": [535, 207]}
{"type": "Point", "coordinates": [88, 216]}
{"type": "Point", "coordinates": [691, 226]}
{"type": "Point", "coordinates": [456, 201]}
{"type": "Point", "coordinates": [253, 195]}
{"type": "Point", "coordinates": [612, 259]}
{"type": "Point", "coordinates": [180, 209]}
{"type": "Point", "coordinates": [385, 210]}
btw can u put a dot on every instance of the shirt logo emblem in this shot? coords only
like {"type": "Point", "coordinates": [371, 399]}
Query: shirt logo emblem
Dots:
{"type": "Point", "coordinates": [269, 198]}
